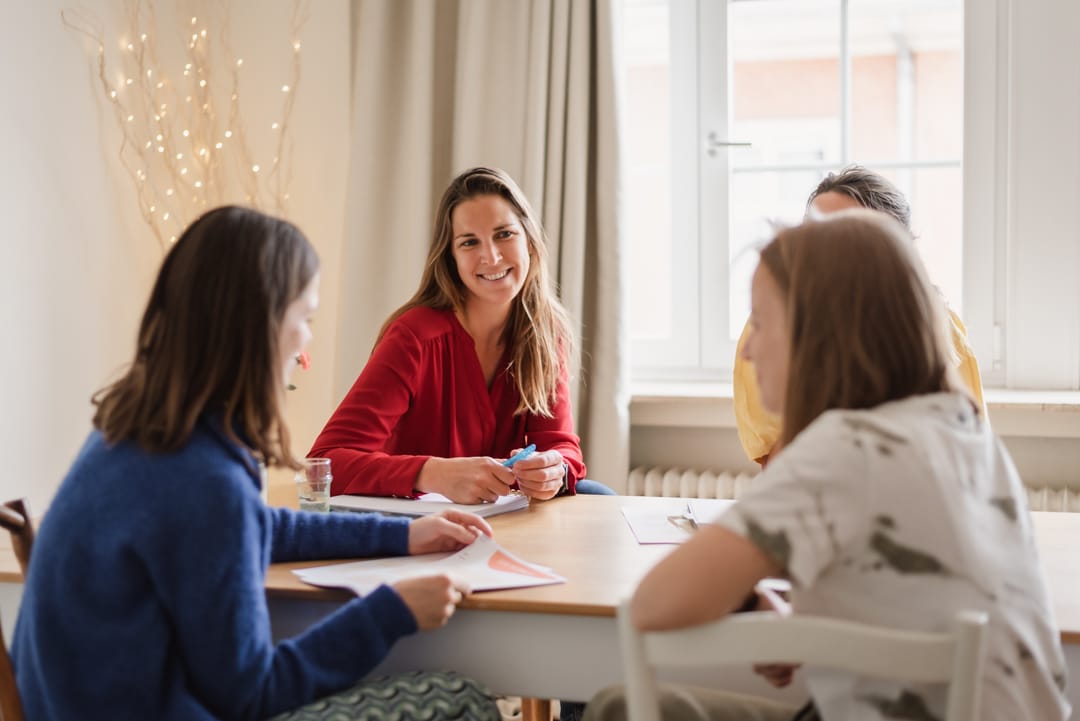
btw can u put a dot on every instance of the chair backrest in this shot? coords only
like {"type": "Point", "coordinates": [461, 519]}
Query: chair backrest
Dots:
{"type": "Point", "coordinates": [15, 517]}
{"type": "Point", "coordinates": [955, 658]}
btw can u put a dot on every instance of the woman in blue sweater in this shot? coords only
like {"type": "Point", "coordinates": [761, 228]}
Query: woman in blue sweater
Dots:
{"type": "Point", "coordinates": [144, 597]}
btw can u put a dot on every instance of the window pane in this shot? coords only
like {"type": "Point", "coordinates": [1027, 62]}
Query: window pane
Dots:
{"type": "Point", "coordinates": [760, 201]}
{"type": "Point", "coordinates": [937, 211]}
{"type": "Point", "coordinates": [647, 162]}
{"type": "Point", "coordinates": [906, 80]}
{"type": "Point", "coordinates": [786, 81]}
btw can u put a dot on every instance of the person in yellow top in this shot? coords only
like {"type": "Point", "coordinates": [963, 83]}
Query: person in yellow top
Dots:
{"type": "Point", "coordinates": [852, 187]}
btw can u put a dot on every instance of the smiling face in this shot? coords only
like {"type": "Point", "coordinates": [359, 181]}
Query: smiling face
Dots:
{"type": "Point", "coordinates": [490, 249]}
{"type": "Point", "coordinates": [295, 331]}
{"type": "Point", "coordinates": [768, 347]}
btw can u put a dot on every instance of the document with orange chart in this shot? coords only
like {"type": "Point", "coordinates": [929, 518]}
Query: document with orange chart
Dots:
{"type": "Point", "coordinates": [484, 566]}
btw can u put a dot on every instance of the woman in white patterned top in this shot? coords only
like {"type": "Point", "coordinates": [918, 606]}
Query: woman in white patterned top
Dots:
{"type": "Point", "coordinates": [892, 502]}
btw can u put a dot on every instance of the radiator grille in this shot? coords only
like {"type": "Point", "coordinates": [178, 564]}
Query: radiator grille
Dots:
{"type": "Point", "coordinates": [690, 483]}
{"type": "Point", "coordinates": [1053, 498]}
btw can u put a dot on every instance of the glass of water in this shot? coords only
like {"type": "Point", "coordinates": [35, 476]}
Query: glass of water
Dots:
{"type": "Point", "coordinates": [313, 485]}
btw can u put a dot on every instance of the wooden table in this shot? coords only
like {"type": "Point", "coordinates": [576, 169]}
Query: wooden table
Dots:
{"type": "Point", "coordinates": [560, 641]}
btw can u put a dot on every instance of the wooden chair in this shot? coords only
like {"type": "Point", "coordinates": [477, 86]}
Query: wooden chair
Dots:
{"type": "Point", "coordinates": [15, 517]}
{"type": "Point", "coordinates": [955, 658]}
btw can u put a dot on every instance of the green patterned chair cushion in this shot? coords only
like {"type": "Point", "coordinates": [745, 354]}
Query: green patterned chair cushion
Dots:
{"type": "Point", "coordinates": [413, 696]}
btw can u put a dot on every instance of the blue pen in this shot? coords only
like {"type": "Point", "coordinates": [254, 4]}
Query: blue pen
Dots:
{"type": "Point", "coordinates": [520, 455]}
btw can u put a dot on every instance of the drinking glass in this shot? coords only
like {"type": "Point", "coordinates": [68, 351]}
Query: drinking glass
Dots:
{"type": "Point", "coordinates": [313, 485]}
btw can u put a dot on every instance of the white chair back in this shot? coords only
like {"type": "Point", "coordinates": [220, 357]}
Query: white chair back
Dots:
{"type": "Point", "coordinates": [955, 658]}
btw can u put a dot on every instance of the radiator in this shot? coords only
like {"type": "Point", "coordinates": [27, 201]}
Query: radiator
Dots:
{"type": "Point", "coordinates": [1053, 498]}
{"type": "Point", "coordinates": [690, 483]}
{"type": "Point", "coordinates": [646, 481]}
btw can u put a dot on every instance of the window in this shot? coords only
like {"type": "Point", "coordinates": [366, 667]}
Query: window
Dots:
{"type": "Point", "coordinates": [734, 112]}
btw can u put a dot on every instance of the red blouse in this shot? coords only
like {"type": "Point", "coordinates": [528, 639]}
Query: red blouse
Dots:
{"type": "Point", "coordinates": [422, 394]}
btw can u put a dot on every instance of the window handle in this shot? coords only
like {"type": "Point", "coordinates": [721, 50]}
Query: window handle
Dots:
{"type": "Point", "coordinates": [713, 144]}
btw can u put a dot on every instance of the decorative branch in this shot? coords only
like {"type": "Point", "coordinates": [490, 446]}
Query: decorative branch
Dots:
{"type": "Point", "coordinates": [179, 151]}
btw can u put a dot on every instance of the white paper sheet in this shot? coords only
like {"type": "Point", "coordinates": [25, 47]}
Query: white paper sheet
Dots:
{"type": "Point", "coordinates": [651, 526]}
{"type": "Point", "coordinates": [483, 566]}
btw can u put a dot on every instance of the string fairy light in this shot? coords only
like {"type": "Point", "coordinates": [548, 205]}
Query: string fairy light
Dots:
{"type": "Point", "coordinates": [178, 135]}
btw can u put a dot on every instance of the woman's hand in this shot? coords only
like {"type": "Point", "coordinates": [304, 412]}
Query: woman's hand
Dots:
{"type": "Point", "coordinates": [540, 476]}
{"type": "Point", "coordinates": [445, 531]}
{"type": "Point", "coordinates": [465, 480]}
{"type": "Point", "coordinates": [432, 599]}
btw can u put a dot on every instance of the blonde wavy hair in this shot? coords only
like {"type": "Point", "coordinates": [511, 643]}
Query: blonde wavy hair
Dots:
{"type": "Point", "coordinates": [865, 324]}
{"type": "Point", "coordinates": [538, 331]}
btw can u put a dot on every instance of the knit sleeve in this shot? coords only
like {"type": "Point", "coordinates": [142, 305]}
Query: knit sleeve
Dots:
{"type": "Point", "coordinates": [211, 581]}
{"type": "Point", "coordinates": [299, 536]}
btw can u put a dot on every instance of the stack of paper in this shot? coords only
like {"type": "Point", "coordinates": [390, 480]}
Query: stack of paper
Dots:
{"type": "Point", "coordinates": [482, 566]}
{"type": "Point", "coordinates": [425, 505]}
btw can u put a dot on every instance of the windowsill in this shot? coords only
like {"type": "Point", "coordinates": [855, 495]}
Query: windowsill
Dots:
{"type": "Point", "coordinates": [1035, 414]}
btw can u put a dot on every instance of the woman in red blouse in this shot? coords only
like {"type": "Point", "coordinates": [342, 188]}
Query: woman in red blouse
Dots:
{"type": "Point", "coordinates": [470, 369]}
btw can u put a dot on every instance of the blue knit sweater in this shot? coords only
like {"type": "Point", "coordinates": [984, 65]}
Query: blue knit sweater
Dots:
{"type": "Point", "coordinates": [145, 599]}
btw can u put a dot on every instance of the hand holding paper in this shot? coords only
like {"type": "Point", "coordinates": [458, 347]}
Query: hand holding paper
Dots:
{"type": "Point", "coordinates": [432, 599]}
{"type": "Point", "coordinates": [445, 531]}
{"type": "Point", "coordinates": [482, 566]}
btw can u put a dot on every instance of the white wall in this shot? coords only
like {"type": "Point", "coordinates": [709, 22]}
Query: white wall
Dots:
{"type": "Point", "coordinates": [79, 261]}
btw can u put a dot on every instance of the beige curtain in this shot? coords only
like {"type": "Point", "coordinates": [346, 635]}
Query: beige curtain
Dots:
{"type": "Point", "coordinates": [528, 86]}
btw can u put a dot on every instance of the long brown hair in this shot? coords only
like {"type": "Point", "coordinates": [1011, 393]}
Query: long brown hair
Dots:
{"type": "Point", "coordinates": [208, 341]}
{"type": "Point", "coordinates": [538, 330]}
{"type": "Point", "coordinates": [865, 324]}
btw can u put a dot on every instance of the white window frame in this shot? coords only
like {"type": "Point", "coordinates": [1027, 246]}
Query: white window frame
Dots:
{"type": "Point", "coordinates": [700, 347]}
{"type": "Point", "coordinates": [1021, 198]}
{"type": "Point", "coordinates": [1021, 190]}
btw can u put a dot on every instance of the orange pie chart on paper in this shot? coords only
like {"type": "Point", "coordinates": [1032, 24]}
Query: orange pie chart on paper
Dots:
{"type": "Point", "coordinates": [499, 561]}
